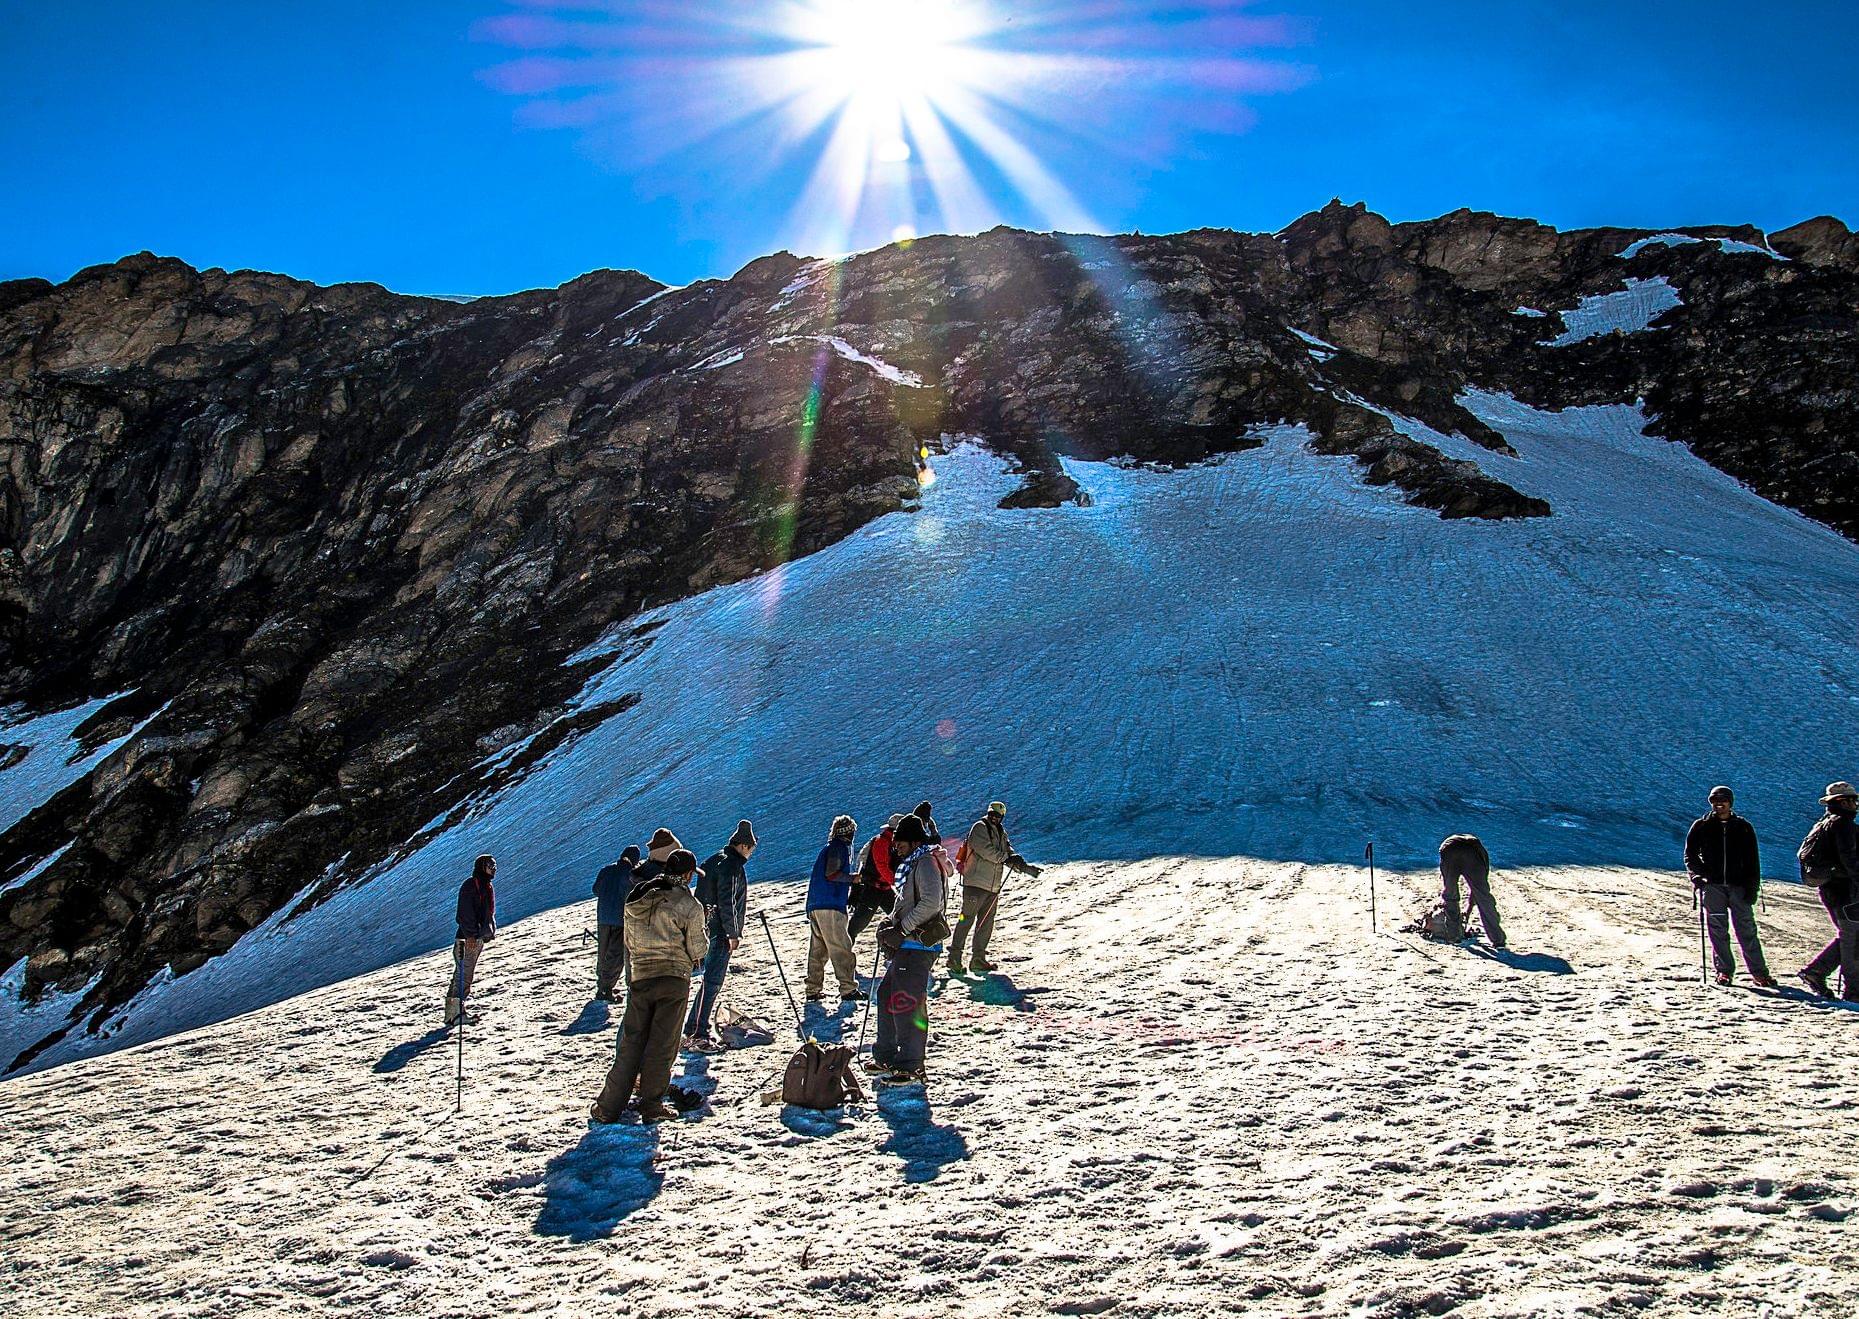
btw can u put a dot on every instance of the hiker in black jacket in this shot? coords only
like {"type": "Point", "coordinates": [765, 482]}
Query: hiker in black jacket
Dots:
{"type": "Point", "coordinates": [1830, 861]}
{"type": "Point", "coordinates": [723, 888]}
{"type": "Point", "coordinates": [477, 926]}
{"type": "Point", "coordinates": [1726, 872]}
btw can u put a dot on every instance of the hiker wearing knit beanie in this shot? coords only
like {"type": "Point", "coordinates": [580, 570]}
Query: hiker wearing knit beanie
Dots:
{"type": "Point", "coordinates": [723, 889]}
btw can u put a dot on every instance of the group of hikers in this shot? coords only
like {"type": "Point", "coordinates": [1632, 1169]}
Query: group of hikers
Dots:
{"type": "Point", "coordinates": [1726, 879]}
{"type": "Point", "coordinates": [663, 920]}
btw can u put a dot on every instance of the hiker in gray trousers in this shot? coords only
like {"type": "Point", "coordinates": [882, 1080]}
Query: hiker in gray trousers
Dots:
{"type": "Point", "coordinates": [1463, 857]}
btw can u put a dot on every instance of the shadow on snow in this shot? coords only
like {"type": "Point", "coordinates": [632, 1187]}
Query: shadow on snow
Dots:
{"type": "Point", "coordinates": [925, 1146]}
{"type": "Point", "coordinates": [591, 1189]}
{"type": "Point", "coordinates": [402, 1054]}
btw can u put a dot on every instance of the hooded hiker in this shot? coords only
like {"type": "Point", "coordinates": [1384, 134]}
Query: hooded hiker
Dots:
{"type": "Point", "coordinates": [984, 860]}
{"type": "Point", "coordinates": [875, 889]}
{"type": "Point", "coordinates": [913, 936]}
{"type": "Point", "coordinates": [611, 886]}
{"type": "Point", "coordinates": [1726, 872]}
{"type": "Point", "coordinates": [930, 831]}
{"type": "Point", "coordinates": [829, 893]}
{"type": "Point", "coordinates": [477, 926]}
{"type": "Point", "coordinates": [1463, 857]}
{"type": "Point", "coordinates": [664, 942]}
{"type": "Point", "coordinates": [1829, 859]}
{"type": "Point", "coordinates": [723, 889]}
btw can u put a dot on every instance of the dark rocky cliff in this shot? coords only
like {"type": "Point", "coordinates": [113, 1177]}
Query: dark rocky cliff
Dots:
{"type": "Point", "coordinates": [340, 543]}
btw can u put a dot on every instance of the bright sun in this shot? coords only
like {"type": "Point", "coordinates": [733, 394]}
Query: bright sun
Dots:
{"type": "Point", "coordinates": [892, 49]}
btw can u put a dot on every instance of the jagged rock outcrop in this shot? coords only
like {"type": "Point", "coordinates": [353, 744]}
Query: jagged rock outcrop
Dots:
{"type": "Point", "coordinates": [339, 545]}
{"type": "Point", "coordinates": [1821, 241]}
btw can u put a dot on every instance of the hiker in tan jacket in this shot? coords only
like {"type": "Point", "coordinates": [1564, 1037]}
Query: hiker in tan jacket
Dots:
{"type": "Point", "coordinates": [665, 940]}
{"type": "Point", "coordinates": [987, 856]}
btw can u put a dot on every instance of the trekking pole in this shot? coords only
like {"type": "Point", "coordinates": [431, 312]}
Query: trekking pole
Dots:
{"type": "Point", "coordinates": [800, 1027]}
{"type": "Point", "coordinates": [1370, 853]}
{"type": "Point", "coordinates": [1703, 975]}
{"type": "Point", "coordinates": [459, 1101]}
{"type": "Point", "coordinates": [876, 952]}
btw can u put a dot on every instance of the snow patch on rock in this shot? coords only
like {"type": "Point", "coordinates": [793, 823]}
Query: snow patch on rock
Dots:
{"type": "Point", "coordinates": [1626, 311]}
{"type": "Point", "coordinates": [53, 761]}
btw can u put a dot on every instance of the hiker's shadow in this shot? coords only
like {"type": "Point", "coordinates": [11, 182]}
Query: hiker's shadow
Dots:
{"type": "Point", "coordinates": [402, 1054]}
{"type": "Point", "coordinates": [826, 1026]}
{"type": "Point", "coordinates": [1522, 961]}
{"type": "Point", "coordinates": [595, 1017]}
{"type": "Point", "coordinates": [999, 991]}
{"type": "Point", "coordinates": [925, 1147]}
{"type": "Point", "coordinates": [591, 1189]}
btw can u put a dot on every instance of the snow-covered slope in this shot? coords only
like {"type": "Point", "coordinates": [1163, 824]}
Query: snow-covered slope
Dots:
{"type": "Point", "coordinates": [1195, 1087]}
{"type": "Point", "coordinates": [1257, 657]}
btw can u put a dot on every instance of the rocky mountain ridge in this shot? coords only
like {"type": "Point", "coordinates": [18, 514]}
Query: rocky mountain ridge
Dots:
{"type": "Point", "coordinates": [339, 545]}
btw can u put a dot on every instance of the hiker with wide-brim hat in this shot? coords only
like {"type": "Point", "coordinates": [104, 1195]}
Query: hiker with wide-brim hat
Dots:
{"type": "Point", "coordinates": [984, 861]}
{"type": "Point", "coordinates": [1829, 857]}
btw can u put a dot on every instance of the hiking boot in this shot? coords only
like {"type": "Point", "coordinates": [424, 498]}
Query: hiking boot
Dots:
{"type": "Point", "coordinates": [851, 998]}
{"type": "Point", "coordinates": [452, 1010]}
{"type": "Point", "coordinates": [1723, 978]}
{"type": "Point", "coordinates": [595, 1115]}
{"type": "Point", "coordinates": [873, 1066]}
{"type": "Point", "coordinates": [656, 1110]}
{"type": "Point", "coordinates": [1814, 981]}
{"type": "Point", "coordinates": [983, 965]}
{"type": "Point", "coordinates": [815, 996]}
{"type": "Point", "coordinates": [903, 1076]}
{"type": "Point", "coordinates": [956, 968]}
{"type": "Point", "coordinates": [701, 1043]}
{"type": "Point", "coordinates": [1764, 982]}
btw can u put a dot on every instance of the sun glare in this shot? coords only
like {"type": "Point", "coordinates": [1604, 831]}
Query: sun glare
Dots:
{"type": "Point", "coordinates": [879, 118]}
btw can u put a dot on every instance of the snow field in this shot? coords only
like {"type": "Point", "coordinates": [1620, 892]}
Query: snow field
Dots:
{"type": "Point", "coordinates": [1625, 311]}
{"type": "Point", "coordinates": [1259, 656]}
{"type": "Point", "coordinates": [1194, 1086]}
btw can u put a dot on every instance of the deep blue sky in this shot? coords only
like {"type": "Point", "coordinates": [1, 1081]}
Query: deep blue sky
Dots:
{"type": "Point", "coordinates": [358, 139]}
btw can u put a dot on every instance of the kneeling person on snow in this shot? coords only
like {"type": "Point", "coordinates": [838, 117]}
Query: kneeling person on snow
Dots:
{"type": "Point", "coordinates": [1463, 857]}
{"type": "Point", "coordinates": [665, 940]}
{"type": "Point", "coordinates": [1726, 872]}
{"type": "Point", "coordinates": [828, 893]}
{"type": "Point", "coordinates": [985, 859]}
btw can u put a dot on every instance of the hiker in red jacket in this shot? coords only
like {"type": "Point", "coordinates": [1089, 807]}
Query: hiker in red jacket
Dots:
{"type": "Point", "coordinates": [874, 892]}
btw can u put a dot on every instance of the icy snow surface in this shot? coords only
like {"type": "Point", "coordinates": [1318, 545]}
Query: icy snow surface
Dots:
{"type": "Point", "coordinates": [1634, 248]}
{"type": "Point", "coordinates": [53, 762]}
{"type": "Point", "coordinates": [1626, 311]}
{"type": "Point", "coordinates": [1320, 350]}
{"type": "Point", "coordinates": [883, 368]}
{"type": "Point", "coordinates": [1194, 1087]}
{"type": "Point", "coordinates": [1260, 656]}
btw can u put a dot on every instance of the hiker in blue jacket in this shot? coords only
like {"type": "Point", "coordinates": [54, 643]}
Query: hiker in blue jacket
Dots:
{"type": "Point", "coordinates": [477, 926]}
{"type": "Point", "coordinates": [611, 886]}
{"type": "Point", "coordinates": [723, 888]}
{"type": "Point", "coordinates": [828, 894]}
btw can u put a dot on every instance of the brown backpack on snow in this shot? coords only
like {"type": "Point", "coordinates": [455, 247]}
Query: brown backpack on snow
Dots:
{"type": "Point", "coordinates": [821, 1076]}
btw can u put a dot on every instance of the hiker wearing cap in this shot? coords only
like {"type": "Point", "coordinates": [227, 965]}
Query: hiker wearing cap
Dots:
{"type": "Point", "coordinates": [984, 860]}
{"type": "Point", "coordinates": [1726, 872]}
{"type": "Point", "coordinates": [1829, 859]}
{"type": "Point", "coordinates": [874, 890]}
{"type": "Point", "coordinates": [913, 937]}
{"type": "Point", "coordinates": [664, 942]}
{"type": "Point", "coordinates": [723, 890]}
{"type": "Point", "coordinates": [611, 886]}
{"type": "Point", "coordinates": [1463, 857]}
{"type": "Point", "coordinates": [829, 893]}
{"type": "Point", "coordinates": [477, 926]}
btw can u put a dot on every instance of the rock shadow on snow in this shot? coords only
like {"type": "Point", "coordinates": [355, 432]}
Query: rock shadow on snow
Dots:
{"type": "Point", "coordinates": [925, 1146]}
{"type": "Point", "coordinates": [590, 1190]}
{"type": "Point", "coordinates": [402, 1054]}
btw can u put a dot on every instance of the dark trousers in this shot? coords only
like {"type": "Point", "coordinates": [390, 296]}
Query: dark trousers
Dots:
{"type": "Point", "coordinates": [978, 908]}
{"type": "Point", "coordinates": [1722, 906]}
{"type": "Point", "coordinates": [716, 967]}
{"type": "Point", "coordinates": [648, 1042]}
{"type": "Point", "coordinates": [903, 1010]}
{"type": "Point", "coordinates": [1842, 953]}
{"type": "Point", "coordinates": [863, 914]}
{"type": "Point", "coordinates": [609, 958]}
{"type": "Point", "coordinates": [1469, 864]}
